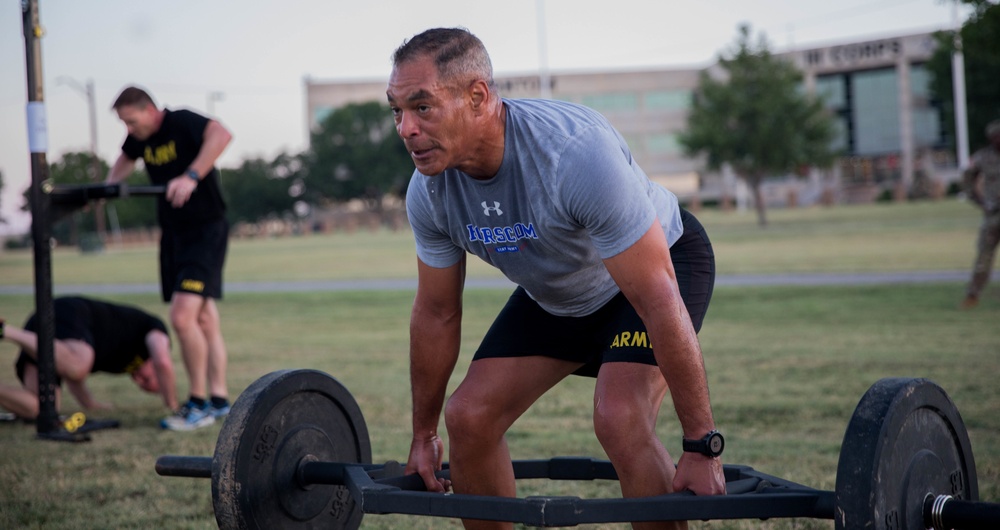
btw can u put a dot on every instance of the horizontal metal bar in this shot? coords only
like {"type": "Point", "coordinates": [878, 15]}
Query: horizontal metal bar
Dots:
{"type": "Point", "coordinates": [565, 468]}
{"type": "Point", "coordinates": [80, 194]}
{"type": "Point", "coordinates": [958, 513]}
{"type": "Point", "coordinates": [752, 495]}
{"type": "Point", "coordinates": [572, 511]}
{"type": "Point", "coordinates": [184, 466]}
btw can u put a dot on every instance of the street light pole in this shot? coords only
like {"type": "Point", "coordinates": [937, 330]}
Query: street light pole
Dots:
{"type": "Point", "coordinates": [958, 80]}
{"type": "Point", "coordinates": [95, 166]}
{"type": "Point", "coordinates": [210, 103]}
{"type": "Point", "coordinates": [544, 78]}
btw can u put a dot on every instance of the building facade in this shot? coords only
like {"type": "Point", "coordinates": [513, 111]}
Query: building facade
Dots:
{"type": "Point", "coordinates": [888, 128]}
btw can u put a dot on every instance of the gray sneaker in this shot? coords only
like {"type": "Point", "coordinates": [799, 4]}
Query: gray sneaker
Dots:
{"type": "Point", "coordinates": [189, 417]}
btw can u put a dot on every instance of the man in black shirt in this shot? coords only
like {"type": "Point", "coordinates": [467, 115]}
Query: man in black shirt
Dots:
{"type": "Point", "coordinates": [179, 149]}
{"type": "Point", "coordinates": [91, 336]}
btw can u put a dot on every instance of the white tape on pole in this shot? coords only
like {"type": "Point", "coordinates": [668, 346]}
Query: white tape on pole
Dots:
{"type": "Point", "coordinates": [38, 130]}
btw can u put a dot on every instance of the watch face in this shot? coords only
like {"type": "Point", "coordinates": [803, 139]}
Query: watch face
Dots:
{"type": "Point", "coordinates": [715, 443]}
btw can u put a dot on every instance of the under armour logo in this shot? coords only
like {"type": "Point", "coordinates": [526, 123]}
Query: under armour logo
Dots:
{"type": "Point", "coordinates": [495, 208]}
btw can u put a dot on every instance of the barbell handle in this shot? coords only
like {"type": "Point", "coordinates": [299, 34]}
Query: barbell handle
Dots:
{"type": "Point", "coordinates": [80, 194]}
{"type": "Point", "coordinates": [184, 466]}
{"type": "Point", "coordinates": [946, 512]}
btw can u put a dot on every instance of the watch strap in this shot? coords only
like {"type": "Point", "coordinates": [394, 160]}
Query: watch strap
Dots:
{"type": "Point", "coordinates": [711, 444]}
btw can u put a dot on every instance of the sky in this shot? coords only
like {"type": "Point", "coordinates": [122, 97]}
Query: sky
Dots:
{"type": "Point", "coordinates": [244, 62]}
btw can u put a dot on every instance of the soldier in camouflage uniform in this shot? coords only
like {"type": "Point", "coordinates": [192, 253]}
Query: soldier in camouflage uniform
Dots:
{"type": "Point", "coordinates": [984, 166]}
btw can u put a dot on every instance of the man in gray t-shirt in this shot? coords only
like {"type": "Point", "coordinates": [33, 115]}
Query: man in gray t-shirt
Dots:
{"type": "Point", "coordinates": [613, 277]}
{"type": "Point", "coordinates": [566, 196]}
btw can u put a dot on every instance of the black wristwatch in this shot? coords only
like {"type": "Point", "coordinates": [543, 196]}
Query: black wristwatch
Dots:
{"type": "Point", "coordinates": [711, 445]}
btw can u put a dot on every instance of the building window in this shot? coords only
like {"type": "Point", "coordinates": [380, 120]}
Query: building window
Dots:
{"type": "Point", "coordinates": [833, 90]}
{"type": "Point", "coordinates": [876, 111]}
{"type": "Point", "coordinates": [612, 102]}
{"type": "Point", "coordinates": [320, 114]}
{"type": "Point", "coordinates": [667, 100]}
{"type": "Point", "coordinates": [663, 144]}
{"type": "Point", "coordinates": [927, 128]}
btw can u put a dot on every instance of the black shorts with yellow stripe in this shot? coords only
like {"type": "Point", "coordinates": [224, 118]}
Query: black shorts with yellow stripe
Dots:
{"type": "Point", "coordinates": [192, 259]}
{"type": "Point", "coordinates": [613, 333]}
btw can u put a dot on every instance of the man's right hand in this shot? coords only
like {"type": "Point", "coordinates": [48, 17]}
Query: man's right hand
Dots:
{"type": "Point", "coordinates": [426, 457]}
{"type": "Point", "coordinates": [700, 474]}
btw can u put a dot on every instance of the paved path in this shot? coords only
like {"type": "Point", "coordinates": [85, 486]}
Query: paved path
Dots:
{"type": "Point", "coordinates": [501, 283]}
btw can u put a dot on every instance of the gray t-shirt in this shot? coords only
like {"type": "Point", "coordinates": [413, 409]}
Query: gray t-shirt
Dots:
{"type": "Point", "coordinates": [567, 195]}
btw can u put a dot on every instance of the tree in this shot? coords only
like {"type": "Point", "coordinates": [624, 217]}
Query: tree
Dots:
{"type": "Point", "coordinates": [757, 119]}
{"type": "Point", "coordinates": [980, 36]}
{"type": "Point", "coordinates": [259, 189]}
{"type": "Point", "coordinates": [356, 154]}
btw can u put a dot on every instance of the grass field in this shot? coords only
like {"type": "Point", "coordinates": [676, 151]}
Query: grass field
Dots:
{"type": "Point", "coordinates": [786, 365]}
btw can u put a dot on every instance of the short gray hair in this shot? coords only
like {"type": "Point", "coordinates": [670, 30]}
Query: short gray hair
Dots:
{"type": "Point", "coordinates": [458, 54]}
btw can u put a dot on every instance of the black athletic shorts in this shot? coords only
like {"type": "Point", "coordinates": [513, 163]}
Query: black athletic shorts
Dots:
{"type": "Point", "coordinates": [192, 258]}
{"type": "Point", "coordinates": [613, 333]}
{"type": "Point", "coordinates": [69, 322]}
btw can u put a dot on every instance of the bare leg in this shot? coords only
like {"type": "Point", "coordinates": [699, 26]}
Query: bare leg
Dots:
{"type": "Point", "coordinates": [217, 355]}
{"type": "Point", "coordinates": [19, 400]}
{"type": "Point", "coordinates": [185, 311]}
{"type": "Point", "coordinates": [494, 393]}
{"type": "Point", "coordinates": [23, 400]}
{"type": "Point", "coordinates": [73, 358]}
{"type": "Point", "coordinates": [626, 402]}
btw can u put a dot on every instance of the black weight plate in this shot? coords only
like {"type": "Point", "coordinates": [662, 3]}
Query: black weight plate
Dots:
{"type": "Point", "coordinates": [906, 439]}
{"type": "Point", "coordinates": [280, 420]}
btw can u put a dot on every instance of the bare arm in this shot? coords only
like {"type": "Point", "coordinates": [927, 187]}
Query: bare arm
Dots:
{"type": "Point", "coordinates": [158, 344]}
{"type": "Point", "coordinates": [120, 170]}
{"type": "Point", "coordinates": [646, 275]}
{"type": "Point", "coordinates": [435, 336]}
{"type": "Point", "coordinates": [216, 138]}
{"type": "Point", "coordinates": [83, 396]}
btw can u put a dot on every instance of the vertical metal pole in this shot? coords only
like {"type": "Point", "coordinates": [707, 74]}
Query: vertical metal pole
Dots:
{"type": "Point", "coordinates": [41, 229]}
{"type": "Point", "coordinates": [906, 143]}
{"type": "Point", "coordinates": [544, 79]}
{"type": "Point", "coordinates": [958, 80]}
{"type": "Point", "coordinates": [210, 100]}
{"type": "Point", "coordinates": [95, 163]}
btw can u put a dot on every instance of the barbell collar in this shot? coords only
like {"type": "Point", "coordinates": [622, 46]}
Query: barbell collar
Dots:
{"type": "Point", "coordinates": [945, 512]}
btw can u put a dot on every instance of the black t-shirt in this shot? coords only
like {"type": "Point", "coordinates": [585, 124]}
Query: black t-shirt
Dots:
{"type": "Point", "coordinates": [116, 332]}
{"type": "Point", "coordinates": [168, 153]}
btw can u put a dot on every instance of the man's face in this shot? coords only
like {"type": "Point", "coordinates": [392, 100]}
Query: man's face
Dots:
{"type": "Point", "coordinates": [140, 120]}
{"type": "Point", "coordinates": [431, 117]}
{"type": "Point", "coordinates": [145, 377]}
